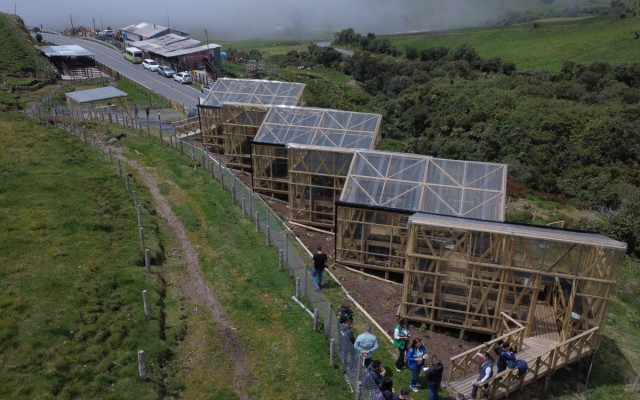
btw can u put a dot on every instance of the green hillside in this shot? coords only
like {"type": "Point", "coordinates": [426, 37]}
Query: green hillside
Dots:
{"type": "Point", "coordinates": [583, 40]}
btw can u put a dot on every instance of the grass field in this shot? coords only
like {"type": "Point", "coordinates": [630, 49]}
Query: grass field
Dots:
{"type": "Point", "coordinates": [583, 40]}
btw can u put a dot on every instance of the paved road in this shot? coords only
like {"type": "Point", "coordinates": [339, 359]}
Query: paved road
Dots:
{"type": "Point", "coordinates": [166, 87]}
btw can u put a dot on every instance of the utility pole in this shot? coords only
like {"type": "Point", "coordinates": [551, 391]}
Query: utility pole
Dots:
{"type": "Point", "coordinates": [94, 24]}
{"type": "Point", "coordinates": [71, 23]}
{"type": "Point", "coordinates": [101, 24]}
{"type": "Point", "coordinates": [207, 35]}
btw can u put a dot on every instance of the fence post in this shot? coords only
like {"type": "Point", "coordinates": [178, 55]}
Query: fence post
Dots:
{"type": "Point", "coordinates": [160, 136]}
{"type": "Point", "coordinates": [73, 128]}
{"type": "Point", "coordinates": [126, 181]}
{"type": "Point", "coordinates": [110, 157]}
{"type": "Point", "coordinates": [142, 237]}
{"type": "Point", "coordinates": [359, 369]}
{"type": "Point", "coordinates": [147, 259]}
{"type": "Point", "coordinates": [135, 197]}
{"type": "Point", "coordinates": [119, 167]}
{"type": "Point", "coordinates": [145, 301]}
{"type": "Point", "coordinates": [84, 136]}
{"type": "Point", "coordinates": [268, 233]}
{"type": "Point", "coordinates": [315, 319]}
{"type": "Point", "coordinates": [329, 321]}
{"type": "Point", "coordinates": [280, 256]}
{"type": "Point", "coordinates": [358, 390]}
{"type": "Point", "coordinates": [233, 193]}
{"type": "Point", "coordinates": [138, 211]}
{"type": "Point", "coordinates": [257, 222]}
{"type": "Point", "coordinates": [244, 212]}
{"type": "Point", "coordinates": [142, 370]}
{"type": "Point", "coordinates": [298, 288]}
{"type": "Point", "coordinates": [332, 349]}
{"type": "Point", "coordinates": [193, 154]}
{"type": "Point", "coordinates": [93, 143]}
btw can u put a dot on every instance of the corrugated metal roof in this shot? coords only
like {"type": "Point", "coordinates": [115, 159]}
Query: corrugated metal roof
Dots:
{"type": "Point", "coordinates": [145, 29]}
{"type": "Point", "coordinates": [103, 93]}
{"type": "Point", "coordinates": [72, 50]}
{"type": "Point", "coordinates": [172, 45]}
{"type": "Point", "coordinates": [319, 127]}
{"type": "Point", "coordinates": [520, 230]}
{"type": "Point", "coordinates": [412, 182]}
{"type": "Point", "coordinates": [253, 92]}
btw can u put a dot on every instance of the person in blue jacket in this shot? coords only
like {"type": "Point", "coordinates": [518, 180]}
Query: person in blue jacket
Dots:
{"type": "Point", "coordinates": [416, 355]}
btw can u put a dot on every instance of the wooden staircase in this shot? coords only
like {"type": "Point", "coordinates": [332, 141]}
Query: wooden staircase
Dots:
{"type": "Point", "coordinates": [543, 353]}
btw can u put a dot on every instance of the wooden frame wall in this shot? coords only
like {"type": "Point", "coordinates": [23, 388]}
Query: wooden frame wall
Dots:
{"type": "Point", "coordinates": [240, 125]}
{"type": "Point", "coordinates": [211, 129]}
{"type": "Point", "coordinates": [270, 170]}
{"type": "Point", "coordinates": [371, 239]}
{"type": "Point", "coordinates": [463, 279]}
{"type": "Point", "coordinates": [316, 180]}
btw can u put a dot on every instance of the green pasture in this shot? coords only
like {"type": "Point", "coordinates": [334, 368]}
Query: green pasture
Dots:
{"type": "Point", "coordinates": [583, 40]}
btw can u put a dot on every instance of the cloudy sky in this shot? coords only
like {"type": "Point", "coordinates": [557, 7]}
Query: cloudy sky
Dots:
{"type": "Point", "coordinates": [258, 18]}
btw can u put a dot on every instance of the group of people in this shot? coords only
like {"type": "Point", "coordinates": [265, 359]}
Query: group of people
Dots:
{"type": "Point", "coordinates": [506, 359]}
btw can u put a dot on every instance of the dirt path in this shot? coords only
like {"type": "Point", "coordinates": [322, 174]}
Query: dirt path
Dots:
{"type": "Point", "coordinates": [195, 287]}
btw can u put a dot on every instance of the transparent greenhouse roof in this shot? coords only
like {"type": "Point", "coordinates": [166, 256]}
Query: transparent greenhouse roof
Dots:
{"type": "Point", "coordinates": [415, 183]}
{"type": "Point", "coordinates": [253, 91]}
{"type": "Point", "coordinates": [319, 127]}
{"type": "Point", "coordinates": [529, 231]}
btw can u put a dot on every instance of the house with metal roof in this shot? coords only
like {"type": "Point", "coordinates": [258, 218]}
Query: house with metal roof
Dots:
{"type": "Point", "coordinates": [179, 52]}
{"type": "Point", "coordinates": [146, 31]}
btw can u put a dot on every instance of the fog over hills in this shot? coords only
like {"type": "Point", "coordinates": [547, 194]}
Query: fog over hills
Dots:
{"type": "Point", "coordinates": [269, 18]}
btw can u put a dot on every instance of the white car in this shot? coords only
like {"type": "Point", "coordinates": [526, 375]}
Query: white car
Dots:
{"type": "Point", "coordinates": [205, 89]}
{"type": "Point", "coordinates": [183, 77]}
{"type": "Point", "coordinates": [150, 65]}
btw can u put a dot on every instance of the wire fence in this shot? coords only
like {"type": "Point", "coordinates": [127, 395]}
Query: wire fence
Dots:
{"type": "Point", "coordinates": [293, 257]}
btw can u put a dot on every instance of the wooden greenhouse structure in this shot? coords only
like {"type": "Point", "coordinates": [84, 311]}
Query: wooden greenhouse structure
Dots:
{"type": "Point", "coordinates": [286, 126]}
{"type": "Point", "coordinates": [384, 189]}
{"type": "Point", "coordinates": [462, 273]}
{"type": "Point", "coordinates": [232, 112]}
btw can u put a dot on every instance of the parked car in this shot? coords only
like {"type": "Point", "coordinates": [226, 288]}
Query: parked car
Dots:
{"type": "Point", "coordinates": [183, 77]}
{"type": "Point", "coordinates": [106, 32]}
{"type": "Point", "coordinates": [166, 71]}
{"type": "Point", "coordinates": [150, 65]}
{"type": "Point", "coordinates": [205, 89]}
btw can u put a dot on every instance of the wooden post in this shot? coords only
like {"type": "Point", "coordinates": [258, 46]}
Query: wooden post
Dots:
{"type": "Point", "coordinates": [145, 301]}
{"type": "Point", "coordinates": [267, 234]}
{"type": "Point", "coordinates": [93, 143]}
{"type": "Point", "coordinates": [142, 370]}
{"type": "Point", "coordinates": [110, 157]}
{"type": "Point", "coordinates": [332, 349]}
{"type": "Point", "coordinates": [119, 167]}
{"type": "Point", "coordinates": [315, 319]}
{"type": "Point", "coordinates": [142, 237]}
{"type": "Point", "coordinates": [147, 259]}
{"type": "Point", "coordinates": [139, 212]}
{"type": "Point", "coordinates": [329, 321]}
{"type": "Point", "coordinates": [257, 222]}
{"type": "Point", "coordinates": [135, 198]}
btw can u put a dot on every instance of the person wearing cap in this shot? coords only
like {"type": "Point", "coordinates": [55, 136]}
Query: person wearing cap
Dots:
{"type": "Point", "coordinates": [404, 394]}
{"type": "Point", "coordinates": [319, 262]}
{"type": "Point", "coordinates": [344, 313]}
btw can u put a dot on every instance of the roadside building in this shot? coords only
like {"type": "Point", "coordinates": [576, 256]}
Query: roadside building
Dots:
{"type": "Point", "coordinates": [179, 52]}
{"type": "Point", "coordinates": [146, 31]}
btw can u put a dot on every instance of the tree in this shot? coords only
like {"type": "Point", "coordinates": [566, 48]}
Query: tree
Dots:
{"type": "Point", "coordinates": [412, 52]}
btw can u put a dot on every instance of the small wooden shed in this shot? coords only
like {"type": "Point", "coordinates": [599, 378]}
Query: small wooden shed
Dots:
{"type": "Point", "coordinates": [462, 273]}
{"type": "Point", "coordinates": [232, 112]}
{"type": "Point", "coordinates": [383, 189]}
{"type": "Point", "coordinates": [314, 128]}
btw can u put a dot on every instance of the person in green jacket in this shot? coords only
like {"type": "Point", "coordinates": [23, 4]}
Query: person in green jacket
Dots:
{"type": "Point", "coordinates": [400, 340]}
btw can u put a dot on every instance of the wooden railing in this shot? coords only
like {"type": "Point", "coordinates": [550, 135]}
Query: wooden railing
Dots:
{"type": "Point", "coordinates": [562, 354]}
{"type": "Point", "coordinates": [464, 363]}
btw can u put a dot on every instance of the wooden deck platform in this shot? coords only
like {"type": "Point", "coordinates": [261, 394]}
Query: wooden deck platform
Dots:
{"type": "Point", "coordinates": [544, 353]}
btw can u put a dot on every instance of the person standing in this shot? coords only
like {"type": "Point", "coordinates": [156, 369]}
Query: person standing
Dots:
{"type": "Point", "coordinates": [415, 360]}
{"type": "Point", "coordinates": [500, 349]}
{"type": "Point", "coordinates": [346, 345]}
{"type": "Point", "coordinates": [319, 262]}
{"type": "Point", "coordinates": [401, 340]}
{"type": "Point", "coordinates": [434, 376]}
{"type": "Point", "coordinates": [135, 111]}
{"type": "Point", "coordinates": [485, 372]}
{"type": "Point", "coordinates": [146, 110]}
{"type": "Point", "coordinates": [344, 313]}
{"type": "Point", "coordinates": [366, 343]}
